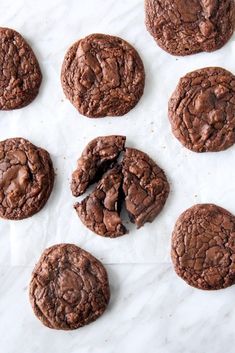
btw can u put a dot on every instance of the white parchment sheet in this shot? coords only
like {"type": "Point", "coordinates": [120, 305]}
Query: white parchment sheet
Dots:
{"type": "Point", "coordinates": [54, 124]}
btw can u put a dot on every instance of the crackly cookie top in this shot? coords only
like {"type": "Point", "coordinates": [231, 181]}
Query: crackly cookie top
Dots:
{"type": "Point", "coordinates": [137, 180]}
{"type": "Point", "coordinates": [201, 110]}
{"type": "Point", "coordinates": [102, 76]}
{"type": "Point", "coordinates": [145, 186]}
{"type": "Point", "coordinates": [20, 72]}
{"type": "Point", "coordinates": [26, 178]}
{"type": "Point", "coordinates": [100, 211]}
{"type": "Point", "coordinates": [69, 287]}
{"type": "Point", "coordinates": [96, 158]}
{"type": "Point", "coordinates": [183, 27]}
{"type": "Point", "coordinates": [203, 247]}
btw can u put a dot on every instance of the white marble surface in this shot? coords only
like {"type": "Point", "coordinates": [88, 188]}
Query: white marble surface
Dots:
{"type": "Point", "coordinates": [151, 309]}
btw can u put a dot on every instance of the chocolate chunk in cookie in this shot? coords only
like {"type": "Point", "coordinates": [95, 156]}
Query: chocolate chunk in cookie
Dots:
{"type": "Point", "coordinates": [20, 72]}
{"type": "Point", "coordinates": [203, 247]}
{"type": "Point", "coordinates": [102, 76]}
{"type": "Point", "coordinates": [96, 158]}
{"type": "Point", "coordinates": [145, 187]}
{"type": "Point", "coordinates": [201, 110]}
{"type": "Point", "coordinates": [26, 178]}
{"type": "Point", "coordinates": [183, 27]}
{"type": "Point", "coordinates": [100, 210]}
{"type": "Point", "coordinates": [69, 287]}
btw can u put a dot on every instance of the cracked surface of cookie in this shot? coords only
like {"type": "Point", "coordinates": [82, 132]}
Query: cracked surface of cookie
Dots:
{"type": "Point", "coordinates": [183, 27]}
{"type": "Point", "coordinates": [26, 178]}
{"type": "Point", "coordinates": [100, 211]}
{"type": "Point", "coordinates": [145, 187]}
{"type": "Point", "coordinates": [203, 247]}
{"type": "Point", "coordinates": [20, 72]}
{"type": "Point", "coordinates": [96, 158]}
{"type": "Point", "coordinates": [69, 287]}
{"type": "Point", "coordinates": [102, 76]}
{"type": "Point", "coordinates": [201, 110]}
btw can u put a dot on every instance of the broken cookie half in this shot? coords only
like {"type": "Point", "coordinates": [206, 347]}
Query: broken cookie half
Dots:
{"type": "Point", "coordinates": [137, 182]}
{"type": "Point", "coordinates": [145, 187]}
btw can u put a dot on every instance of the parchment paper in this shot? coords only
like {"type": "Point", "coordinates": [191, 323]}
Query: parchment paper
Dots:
{"type": "Point", "coordinates": [54, 124]}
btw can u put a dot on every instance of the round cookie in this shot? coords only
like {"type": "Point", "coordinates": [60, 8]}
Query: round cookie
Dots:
{"type": "Point", "coordinates": [20, 72]}
{"type": "Point", "coordinates": [26, 178]}
{"type": "Point", "coordinates": [138, 181]}
{"type": "Point", "coordinates": [183, 27]}
{"type": "Point", "coordinates": [69, 287]}
{"type": "Point", "coordinates": [102, 76]}
{"type": "Point", "coordinates": [203, 247]}
{"type": "Point", "coordinates": [145, 187]}
{"type": "Point", "coordinates": [201, 110]}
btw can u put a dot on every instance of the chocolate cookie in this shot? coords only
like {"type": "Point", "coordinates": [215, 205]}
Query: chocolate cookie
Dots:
{"type": "Point", "coordinates": [26, 178]}
{"type": "Point", "coordinates": [183, 27]}
{"type": "Point", "coordinates": [102, 76]}
{"type": "Point", "coordinates": [69, 287]}
{"type": "Point", "coordinates": [96, 158]}
{"type": "Point", "coordinates": [201, 110]}
{"type": "Point", "coordinates": [203, 247]}
{"type": "Point", "coordinates": [137, 180]}
{"type": "Point", "coordinates": [20, 72]}
{"type": "Point", "coordinates": [100, 211]}
{"type": "Point", "coordinates": [145, 187]}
